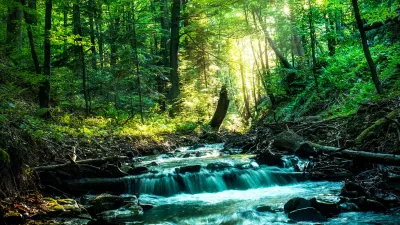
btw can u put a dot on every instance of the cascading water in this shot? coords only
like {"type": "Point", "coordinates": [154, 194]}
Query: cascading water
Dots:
{"type": "Point", "coordinates": [171, 183]}
{"type": "Point", "coordinates": [207, 186]}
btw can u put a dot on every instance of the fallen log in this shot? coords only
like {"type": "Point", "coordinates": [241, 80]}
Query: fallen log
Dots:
{"type": "Point", "coordinates": [371, 157]}
{"type": "Point", "coordinates": [94, 162]}
{"type": "Point", "coordinates": [376, 127]}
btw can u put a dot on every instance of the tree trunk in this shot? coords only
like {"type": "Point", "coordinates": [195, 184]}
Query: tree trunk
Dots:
{"type": "Point", "coordinates": [175, 17]}
{"type": "Point", "coordinates": [163, 51]}
{"type": "Point", "coordinates": [376, 127]}
{"type": "Point", "coordinates": [134, 47]}
{"type": "Point", "coordinates": [29, 19]}
{"type": "Point", "coordinates": [79, 53]}
{"type": "Point", "coordinates": [44, 89]}
{"type": "Point", "coordinates": [247, 114]}
{"type": "Point", "coordinates": [313, 45]}
{"type": "Point", "coordinates": [13, 27]}
{"type": "Point", "coordinates": [367, 53]}
{"type": "Point", "coordinates": [370, 157]}
{"type": "Point", "coordinates": [222, 108]}
{"type": "Point", "coordinates": [331, 35]}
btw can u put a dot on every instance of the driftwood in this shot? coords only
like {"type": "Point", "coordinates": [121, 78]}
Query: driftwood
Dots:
{"type": "Point", "coordinates": [376, 127]}
{"type": "Point", "coordinates": [94, 162]}
{"type": "Point", "coordinates": [376, 158]}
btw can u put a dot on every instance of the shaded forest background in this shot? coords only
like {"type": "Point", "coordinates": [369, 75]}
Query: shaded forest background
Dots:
{"type": "Point", "coordinates": [93, 69]}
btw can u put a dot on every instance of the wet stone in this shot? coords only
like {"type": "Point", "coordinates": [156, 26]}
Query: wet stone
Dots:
{"type": "Point", "coordinates": [296, 203]}
{"type": "Point", "coordinates": [138, 170]}
{"type": "Point", "coordinates": [188, 169]}
{"type": "Point", "coordinates": [307, 214]}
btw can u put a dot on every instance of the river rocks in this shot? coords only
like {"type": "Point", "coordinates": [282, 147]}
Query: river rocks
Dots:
{"type": "Point", "coordinates": [348, 207]}
{"type": "Point", "coordinates": [218, 165]}
{"type": "Point", "coordinates": [293, 143]}
{"type": "Point", "coordinates": [325, 206]}
{"type": "Point", "coordinates": [123, 213]}
{"type": "Point", "coordinates": [296, 203]}
{"type": "Point", "coordinates": [368, 204]}
{"type": "Point", "coordinates": [146, 207]}
{"type": "Point", "coordinates": [307, 214]}
{"type": "Point", "coordinates": [268, 158]}
{"type": "Point", "coordinates": [188, 169]}
{"type": "Point", "coordinates": [128, 198]}
{"type": "Point", "coordinates": [138, 170]}
{"type": "Point", "coordinates": [265, 208]}
{"type": "Point", "coordinates": [105, 202]}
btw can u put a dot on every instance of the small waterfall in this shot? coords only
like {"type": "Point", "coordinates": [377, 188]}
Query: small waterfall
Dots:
{"type": "Point", "coordinates": [171, 183]}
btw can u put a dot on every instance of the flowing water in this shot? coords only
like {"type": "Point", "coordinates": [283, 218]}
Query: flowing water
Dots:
{"type": "Point", "coordinates": [227, 189]}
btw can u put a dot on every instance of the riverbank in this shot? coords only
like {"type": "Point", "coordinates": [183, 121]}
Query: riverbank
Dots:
{"type": "Point", "coordinates": [118, 162]}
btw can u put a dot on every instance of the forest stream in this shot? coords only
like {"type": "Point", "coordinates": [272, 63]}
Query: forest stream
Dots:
{"type": "Point", "coordinates": [206, 186]}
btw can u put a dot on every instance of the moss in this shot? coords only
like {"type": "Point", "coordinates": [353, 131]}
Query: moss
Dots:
{"type": "Point", "coordinates": [4, 157]}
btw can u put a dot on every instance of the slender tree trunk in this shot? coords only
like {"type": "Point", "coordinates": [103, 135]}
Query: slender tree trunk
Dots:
{"type": "Point", "coordinates": [92, 34]}
{"type": "Point", "coordinates": [367, 53]}
{"type": "Point", "coordinates": [80, 53]}
{"type": "Point", "coordinates": [44, 89]}
{"type": "Point", "coordinates": [65, 17]}
{"type": "Point", "coordinates": [29, 19]}
{"type": "Point", "coordinates": [175, 17]}
{"type": "Point", "coordinates": [99, 34]}
{"type": "Point", "coordinates": [244, 90]}
{"type": "Point", "coordinates": [331, 35]}
{"type": "Point", "coordinates": [134, 47]}
{"type": "Point", "coordinates": [163, 51]}
{"type": "Point", "coordinates": [313, 45]}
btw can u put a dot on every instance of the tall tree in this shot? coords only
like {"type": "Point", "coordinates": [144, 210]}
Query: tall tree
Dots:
{"type": "Point", "coordinates": [44, 89]}
{"type": "Point", "coordinates": [174, 48]}
{"type": "Point", "coordinates": [13, 34]}
{"type": "Point", "coordinates": [81, 65]}
{"type": "Point", "coordinates": [367, 53]}
{"type": "Point", "coordinates": [313, 44]}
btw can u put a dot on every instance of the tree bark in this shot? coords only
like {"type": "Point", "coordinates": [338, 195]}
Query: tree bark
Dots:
{"type": "Point", "coordinates": [371, 157]}
{"type": "Point", "coordinates": [367, 53]}
{"type": "Point", "coordinates": [175, 17]}
{"type": "Point", "coordinates": [313, 46]}
{"type": "Point", "coordinates": [376, 127]}
{"type": "Point", "coordinates": [79, 52]}
{"type": "Point", "coordinates": [29, 19]}
{"type": "Point", "coordinates": [222, 108]}
{"type": "Point", "coordinates": [44, 89]}
{"type": "Point", "coordinates": [135, 49]}
{"type": "Point", "coordinates": [13, 27]}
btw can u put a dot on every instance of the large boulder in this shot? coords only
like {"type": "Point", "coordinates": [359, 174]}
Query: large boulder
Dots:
{"type": "Point", "coordinates": [368, 204]}
{"type": "Point", "coordinates": [307, 214]}
{"type": "Point", "coordinates": [105, 202]}
{"type": "Point", "coordinates": [293, 143]}
{"type": "Point", "coordinates": [327, 207]}
{"type": "Point", "coordinates": [296, 203]}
